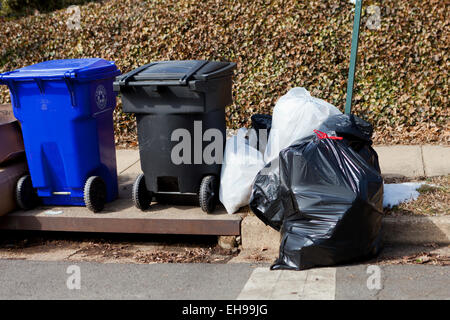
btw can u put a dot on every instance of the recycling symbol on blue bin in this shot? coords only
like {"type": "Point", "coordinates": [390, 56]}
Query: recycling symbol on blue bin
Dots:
{"type": "Point", "coordinates": [101, 97]}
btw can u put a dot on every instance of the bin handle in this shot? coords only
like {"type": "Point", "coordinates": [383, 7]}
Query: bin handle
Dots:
{"type": "Point", "coordinates": [12, 88]}
{"type": "Point", "coordinates": [187, 76]}
{"type": "Point", "coordinates": [124, 80]}
{"type": "Point", "coordinates": [182, 81]}
{"type": "Point", "coordinates": [40, 84]}
{"type": "Point", "coordinates": [68, 76]}
{"type": "Point", "coordinates": [147, 83]}
{"type": "Point", "coordinates": [231, 66]}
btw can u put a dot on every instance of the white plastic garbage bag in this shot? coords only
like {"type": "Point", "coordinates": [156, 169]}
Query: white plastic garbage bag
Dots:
{"type": "Point", "coordinates": [242, 162]}
{"type": "Point", "coordinates": [295, 116]}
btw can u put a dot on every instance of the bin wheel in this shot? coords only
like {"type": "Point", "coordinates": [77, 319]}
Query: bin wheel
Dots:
{"type": "Point", "coordinates": [208, 193]}
{"type": "Point", "coordinates": [26, 195]}
{"type": "Point", "coordinates": [95, 193]}
{"type": "Point", "coordinates": [142, 198]}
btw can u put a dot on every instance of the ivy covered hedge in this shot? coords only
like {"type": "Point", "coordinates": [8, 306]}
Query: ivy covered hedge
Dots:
{"type": "Point", "coordinates": [402, 72]}
{"type": "Point", "coordinates": [15, 8]}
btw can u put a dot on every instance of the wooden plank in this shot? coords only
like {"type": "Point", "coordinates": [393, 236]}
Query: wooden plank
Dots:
{"type": "Point", "coordinates": [121, 217]}
{"type": "Point", "coordinates": [114, 225]}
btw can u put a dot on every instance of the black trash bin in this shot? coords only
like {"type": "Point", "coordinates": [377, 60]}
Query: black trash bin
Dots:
{"type": "Point", "coordinates": [171, 99]}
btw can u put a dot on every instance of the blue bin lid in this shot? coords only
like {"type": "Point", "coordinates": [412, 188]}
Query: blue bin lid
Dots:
{"type": "Point", "coordinates": [83, 69]}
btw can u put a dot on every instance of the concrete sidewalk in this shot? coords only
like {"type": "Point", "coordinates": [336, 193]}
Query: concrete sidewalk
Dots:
{"type": "Point", "coordinates": [399, 161]}
{"type": "Point", "coordinates": [414, 161]}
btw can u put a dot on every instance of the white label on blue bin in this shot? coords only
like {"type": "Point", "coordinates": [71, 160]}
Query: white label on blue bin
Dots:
{"type": "Point", "coordinates": [44, 104]}
{"type": "Point", "coordinates": [101, 97]}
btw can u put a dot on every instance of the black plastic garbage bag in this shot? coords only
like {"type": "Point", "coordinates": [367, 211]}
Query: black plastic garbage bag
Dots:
{"type": "Point", "coordinates": [266, 202]}
{"type": "Point", "coordinates": [357, 134]}
{"type": "Point", "coordinates": [332, 205]}
{"type": "Point", "coordinates": [262, 121]}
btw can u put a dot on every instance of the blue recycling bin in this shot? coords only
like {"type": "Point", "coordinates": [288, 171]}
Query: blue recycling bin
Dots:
{"type": "Point", "coordinates": [66, 111]}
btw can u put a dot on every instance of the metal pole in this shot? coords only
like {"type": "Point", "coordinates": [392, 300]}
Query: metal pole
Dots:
{"type": "Point", "coordinates": [353, 56]}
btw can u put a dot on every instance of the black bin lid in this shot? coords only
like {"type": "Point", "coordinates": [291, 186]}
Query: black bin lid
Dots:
{"type": "Point", "coordinates": [178, 72]}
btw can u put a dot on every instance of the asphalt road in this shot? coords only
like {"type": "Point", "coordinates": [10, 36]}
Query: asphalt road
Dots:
{"type": "Point", "coordinates": [21, 279]}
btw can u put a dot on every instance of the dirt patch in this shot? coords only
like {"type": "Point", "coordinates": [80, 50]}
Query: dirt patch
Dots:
{"type": "Point", "coordinates": [196, 255]}
{"type": "Point", "coordinates": [431, 254]}
{"type": "Point", "coordinates": [123, 249]}
{"type": "Point", "coordinates": [35, 245]}
{"type": "Point", "coordinates": [152, 253]}
{"type": "Point", "coordinates": [263, 256]}
{"type": "Point", "coordinates": [115, 248]}
{"type": "Point", "coordinates": [104, 250]}
{"type": "Point", "coordinates": [420, 258]}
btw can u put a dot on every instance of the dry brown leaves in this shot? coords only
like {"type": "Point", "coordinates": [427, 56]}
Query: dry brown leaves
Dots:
{"type": "Point", "coordinates": [213, 254]}
{"type": "Point", "coordinates": [193, 255]}
{"type": "Point", "coordinates": [421, 258]}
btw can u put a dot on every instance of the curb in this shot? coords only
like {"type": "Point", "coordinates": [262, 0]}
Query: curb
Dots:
{"type": "Point", "coordinates": [416, 230]}
{"type": "Point", "coordinates": [396, 230]}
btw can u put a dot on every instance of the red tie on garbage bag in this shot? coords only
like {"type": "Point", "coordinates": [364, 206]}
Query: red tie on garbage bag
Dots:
{"type": "Point", "coordinates": [323, 135]}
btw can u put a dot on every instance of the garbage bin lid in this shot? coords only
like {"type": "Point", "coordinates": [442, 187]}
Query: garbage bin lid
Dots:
{"type": "Point", "coordinates": [91, 68]}
{"type": "Point", "coordinates": [181, 71]}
